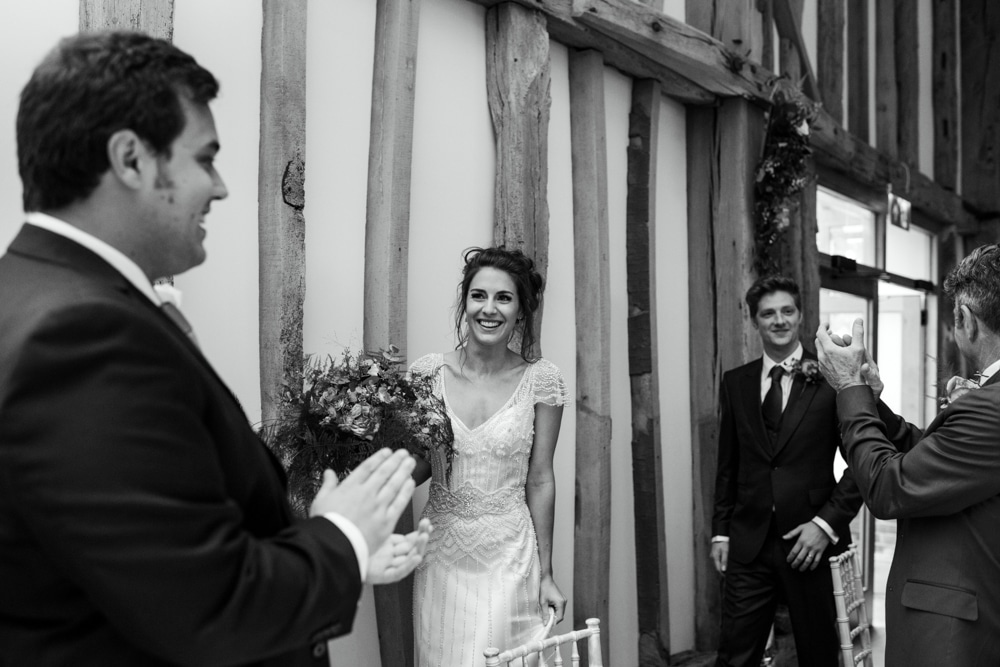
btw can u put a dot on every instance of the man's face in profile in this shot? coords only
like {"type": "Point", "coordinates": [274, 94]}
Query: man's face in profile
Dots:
{"type": "Point", "coordinates": [184, 187]}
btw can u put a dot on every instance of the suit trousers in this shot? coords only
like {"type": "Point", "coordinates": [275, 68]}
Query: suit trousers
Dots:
{"type": "Point", "coordinates": [751, 593]}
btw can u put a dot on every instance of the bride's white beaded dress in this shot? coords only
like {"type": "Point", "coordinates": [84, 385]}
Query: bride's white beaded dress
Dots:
{"type": "Point", "coordinates": [478, 584]}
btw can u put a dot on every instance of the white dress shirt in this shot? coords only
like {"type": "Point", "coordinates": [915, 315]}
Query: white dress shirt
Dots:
{"type": "Point", "coordinates": [141, 282]}
{"type": "Point", "coordinates": [989, 372]}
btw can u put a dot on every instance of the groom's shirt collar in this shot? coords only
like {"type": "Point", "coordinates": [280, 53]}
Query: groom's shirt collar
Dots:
{"type": "Point", "coordinates": [788, 362]}
{"type": "Point", "coordinates": [988, 372]}
{"type": "Point", "coordinates": [117, 259]}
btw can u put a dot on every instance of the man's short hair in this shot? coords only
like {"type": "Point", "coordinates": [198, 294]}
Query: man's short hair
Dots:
{"type": "Point", "coordinates": [770, 285]}
{"type": "Point", "coordinates": [975, 283]}
{"type": "Point", "coordinates": [87, 88]}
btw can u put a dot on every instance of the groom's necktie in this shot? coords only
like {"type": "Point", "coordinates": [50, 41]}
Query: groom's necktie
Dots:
{"type": "Point", "coordinates": [175, 315]}
{"type": "Point", "coordinates": [771, 407]}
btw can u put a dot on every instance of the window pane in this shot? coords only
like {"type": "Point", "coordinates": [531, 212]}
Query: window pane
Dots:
{"type": "Point", "coordinates": [908, 252]}
{"type": "Point", "coordinates": [845, 227]}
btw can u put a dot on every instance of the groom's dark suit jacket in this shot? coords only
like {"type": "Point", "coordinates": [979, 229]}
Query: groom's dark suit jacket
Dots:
{"type": "Point", "coordinates": [142, 522]}
{"type": "Point", "coordinates": [942, 486]}
{"type": "Point", "coordinates": [792, 477]}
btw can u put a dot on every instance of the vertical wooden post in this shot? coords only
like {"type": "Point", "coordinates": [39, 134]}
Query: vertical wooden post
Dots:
{"type": "Point", "coordinates": [857, 69]}
{"type": "Point", "coordinates": [907, 83]}
{"type": "Point", "coordinates": [886, 100]}
{"type": "Point", "coordinates": [723, 147]}
{"type": "Point", "coordinates": [387, 238]}
{"type": "Point", "coordinates": [945, 94]}
{"type": "Point", "coordinates": [980, 23]}
{"type": "Point", "coordinates": [281, 197]}
{"type": "Point", "coordinates": [592, 539]}
{"type": "Point", "coordinates": [518, 91]}
{"type": "Point", "coordinates": [830, 57]}
{"type": "Point", "coordinates": [153, 17]}
{"type": "Point", "coordinates": [647, 460]}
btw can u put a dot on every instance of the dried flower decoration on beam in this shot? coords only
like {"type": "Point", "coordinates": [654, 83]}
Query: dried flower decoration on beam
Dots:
{"type": "Point", "coordinates": [782, 171]}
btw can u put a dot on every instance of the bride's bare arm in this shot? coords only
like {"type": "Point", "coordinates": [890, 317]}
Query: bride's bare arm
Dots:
{"type": "Point", "coordinates": [540, 492]}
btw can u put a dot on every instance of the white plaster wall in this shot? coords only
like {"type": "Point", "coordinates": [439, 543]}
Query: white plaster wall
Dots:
{"type": "Point", "coordinates": [673, 365]}
{"type": "Point", "coordinates": [339, 62]}
{"type": "Point", "coordinates": [220, 296]}
{"type": "Point", "coordinates": [558, 329]}
{"type": "Point", "coordinates": [622, 606]}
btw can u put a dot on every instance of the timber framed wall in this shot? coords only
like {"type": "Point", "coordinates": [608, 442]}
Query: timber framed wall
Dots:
{"type": "Point", "coordinates": [695, 53]}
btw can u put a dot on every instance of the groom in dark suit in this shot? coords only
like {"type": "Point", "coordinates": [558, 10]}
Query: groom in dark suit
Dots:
{"type": "Point", "coordinates": [942, 485]}
{"type": "Point", "coordinates": [142, 522]}
{"type": "Point", "coordinates": [779, 511]}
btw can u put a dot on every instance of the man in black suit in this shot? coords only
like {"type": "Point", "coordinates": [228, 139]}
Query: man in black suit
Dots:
{"type": "Point", "coordinates": [942, 484]}
{"type": "Point", "coordinates": [142, 521]}
{"type": "Point", "coordinates": [779, 512]}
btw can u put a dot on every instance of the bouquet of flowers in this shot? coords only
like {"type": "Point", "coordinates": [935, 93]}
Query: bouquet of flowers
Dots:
{"type": "Point", "coordinates": [347, 409]}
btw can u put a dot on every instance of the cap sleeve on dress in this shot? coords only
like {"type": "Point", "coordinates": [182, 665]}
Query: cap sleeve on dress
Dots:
{"type": "Point", "coordinates": [548, 384]}
{"type": "Point", "coordinates": [427, 364]}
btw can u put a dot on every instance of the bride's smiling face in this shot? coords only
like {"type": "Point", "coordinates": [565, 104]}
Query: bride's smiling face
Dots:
{"type": "Point", "coordinates": [491, 307]}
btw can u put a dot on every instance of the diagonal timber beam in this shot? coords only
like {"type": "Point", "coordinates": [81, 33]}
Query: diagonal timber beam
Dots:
{"type": "Point", "coordinates": [687, 50]}
{"type": "Point", "coordinates": [788, 28]}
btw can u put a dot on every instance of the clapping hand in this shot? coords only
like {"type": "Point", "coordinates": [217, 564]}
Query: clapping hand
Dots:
{"type": "Point", "coordinates": [399, 555]}
{"type": "Point", "coordinates": [372, 497]}
{"type": "Point", "coordinates": [844, 360]}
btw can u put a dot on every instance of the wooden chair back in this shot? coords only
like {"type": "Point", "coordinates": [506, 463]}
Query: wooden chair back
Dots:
{"type": "Point", "coordinates": [497, 658]}
{"type": "Point", "coordinates": [852, 614]}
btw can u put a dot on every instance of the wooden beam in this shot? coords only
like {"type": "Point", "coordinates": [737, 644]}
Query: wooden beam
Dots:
{"type": "Point", "coordinates": [907, 83]}
{"type": "Point", "coordinates": [766, 8]}
{"type": "Point", "coordinates": [945, 93]}
{"type": "Point", "coordinates": [838, 150]}
{"type": "Point", "coordinates": [592, 541]}
{"type": "Point", "coordinates": [387, 241]}
{"type": "Point", "coordinates": [517, 86]}
{"type": "Point", "coordinates": [676, 45]}
{"type": "Point", "coordinates": [788, 19]}
{"type": "Point", "coordinates": [858, 99]}
{"type": "Point", "coordinates": [564, 28]}
{"type": "Point", "coordinates": [830, 57]}
{"type": "Point", "coordinates": [281, 196]}
{"type": "Point", "coordinates": [153, 17]}
{"type": "Point", "coordinates": [647, 460]}
{"type": "Point", "coordinates": [980, 24]}
{"type": "Point", "coordinates": [705, 367]}
{"type": "Point", "coordinates": [886, 100]}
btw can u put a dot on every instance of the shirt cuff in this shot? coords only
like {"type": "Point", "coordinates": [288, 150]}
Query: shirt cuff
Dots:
{"type": "Point", "coordinates": [834, 538]}
{"type": "Point", "coordinates": [720, 538]}
{"type": "Point", "coordinates": [354, 536]}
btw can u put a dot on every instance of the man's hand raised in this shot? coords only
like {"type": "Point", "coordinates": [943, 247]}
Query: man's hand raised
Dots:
{"type": "Point", "coordinates": [372, 497]}
{"type": "Point", "coordinates": [841, 360]}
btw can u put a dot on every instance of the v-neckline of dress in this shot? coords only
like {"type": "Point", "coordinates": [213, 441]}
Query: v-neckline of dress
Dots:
{"type": "Point", "coordinates": [500, 410]}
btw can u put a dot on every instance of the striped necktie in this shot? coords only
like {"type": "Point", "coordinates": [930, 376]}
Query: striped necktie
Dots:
{"type": "Point", "coordinates": [175, 315]}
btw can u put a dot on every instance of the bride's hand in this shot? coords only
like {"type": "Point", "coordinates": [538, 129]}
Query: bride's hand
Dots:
{"type": "Point", "coordinates": [550, 597]}
{"type": "Point", "coordinates": [398, 555]}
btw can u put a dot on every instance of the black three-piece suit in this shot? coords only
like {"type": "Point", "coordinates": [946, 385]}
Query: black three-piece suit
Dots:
{"type": "Point", "coordinates": [764, 488]}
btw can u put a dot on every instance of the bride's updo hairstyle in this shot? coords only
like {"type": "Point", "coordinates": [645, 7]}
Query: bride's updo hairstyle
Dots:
{"type": "Point", "coordinates": [528, 282]}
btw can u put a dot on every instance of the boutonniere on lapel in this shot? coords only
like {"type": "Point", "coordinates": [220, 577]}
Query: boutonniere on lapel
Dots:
{"type": "Point", "coordinates": [956, 388]}
{"type": "Point", "coordinates": [808, 370]}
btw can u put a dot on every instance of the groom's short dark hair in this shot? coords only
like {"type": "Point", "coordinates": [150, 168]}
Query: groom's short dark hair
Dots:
{"type": "Point", "coordinates": [770, 285]}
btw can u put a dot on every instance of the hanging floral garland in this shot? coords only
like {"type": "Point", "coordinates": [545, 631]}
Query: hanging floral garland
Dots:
{"type": "Point", "coordinates": [781, 173]}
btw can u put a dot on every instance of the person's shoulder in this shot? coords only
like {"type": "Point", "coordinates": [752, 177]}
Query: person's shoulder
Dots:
{"type": "Point", "coordinates": [543, 365]}
{"type": "Point", "coordinates": [745, 369]}
{"type": "Point", "coordinates": [428, 364]}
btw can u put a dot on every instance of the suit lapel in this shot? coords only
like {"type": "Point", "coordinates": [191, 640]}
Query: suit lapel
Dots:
{"type": "Point", "coordinates": [751, 398]}
{"type": "Point", "coordinates": [799, 400]}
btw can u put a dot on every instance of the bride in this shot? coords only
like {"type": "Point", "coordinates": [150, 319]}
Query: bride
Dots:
{"type": "Point", "coordinates": [486, 579]}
